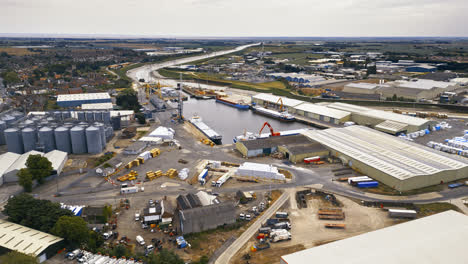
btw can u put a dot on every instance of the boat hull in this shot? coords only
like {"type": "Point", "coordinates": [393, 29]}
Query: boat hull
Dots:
{"type": "Point", "coordinates": [238, 106]}
{"type": "Point", "coordinates": [273, 116]}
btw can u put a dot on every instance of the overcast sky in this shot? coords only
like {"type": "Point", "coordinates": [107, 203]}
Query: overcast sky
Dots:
{"type": "Point", "coordinates": [237, 17]}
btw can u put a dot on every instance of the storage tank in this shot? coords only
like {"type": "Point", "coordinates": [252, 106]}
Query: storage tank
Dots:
{"type": "Point", "coordinates": [116, 123]}
{"type": "Point", "coordinates": [93, 140]}
{"type": "Point", "coordinates": [57, 115]}
{"type": "Point", "coordinates": [78, 140]}
{"type": "Point", "coordinates": [63, 139]}
{"type": "Point", "coordinates": [106, 117]}
{"type": "Point", "coordinates": [47, 138]}
{"type": "Point", "coordinates": [9, 120]}
{"type": "Point", "coordinates": [17, 115]}
{"type": "Point", "coordinates": [68, 125]}
{"type": "Point", "coordinates": [90, 116]}
{"type": "Point", "coordinates": [66, 115]}
{"type": "Point", "coordinates": [109, 133]}
{"type": "Point", "coordinates": [14, 140]}
{"type": "Point", "coordinates": [102, 132]}
{"type": "Point", "coordinates": [81, 116]}
{"type": "Point", "coordinates": [29, 136]}
{"type": "Point", "coordinates": [97, 116]}
{"type": "Point", "coordinates": [3, 127]}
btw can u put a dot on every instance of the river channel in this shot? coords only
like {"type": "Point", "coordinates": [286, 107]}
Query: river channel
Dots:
{"type": "Point", "coordinates": [231, 122]}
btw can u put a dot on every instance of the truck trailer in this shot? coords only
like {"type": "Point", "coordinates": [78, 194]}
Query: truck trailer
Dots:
{"type": "Point", "coordinates": [401, 213]}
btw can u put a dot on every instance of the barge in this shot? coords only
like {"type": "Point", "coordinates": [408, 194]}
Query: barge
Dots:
{"type": "Point", "coordinates": [282, 116]}
{"type": "Point", "coordinates": [240, 105]}
{"type": "Point", "coordinates": [206, 130]}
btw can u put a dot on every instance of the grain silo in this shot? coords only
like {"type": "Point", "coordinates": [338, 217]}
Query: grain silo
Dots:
{"type": "Point", "coordinates": [78, 140]}
{"type": "Point", "coordinates": [63, 139]}
{"type": "Point", "coordinates": [90, 116]}
{"type": "Point", "coordinates": [29, 136]}
{"type": "Point", "coordinates": [57, 115]}
{"type": "Point", "coordinates": [14, 140]}
{"type": "Point", "coordinates": [17, 115]}
{"type": "Point", "coordinates": [102, 132]}
{"type": "Point", "coordinates": [81, 116]}
{"type": "Point", "coordinates": [109, 132]}
{"type": "Point", "coordinates": [93, 140]}
{"type": "Point", "coordinates": [3, 127]}
{"type": "Point", "coordinates": [106, 118]}
{"type": "Point", "coordinates": [9, 120]}
{"type": "Point", "coordinates": [47, 138]}
{"type": "Point", "coordinates": [66, 115]}
{"type": "Point", "coordinates": [97, 116]}
{"type": "Point", "coordinates": [116, 123]}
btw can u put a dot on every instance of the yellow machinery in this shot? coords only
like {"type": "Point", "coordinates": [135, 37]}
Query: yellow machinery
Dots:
{"type": "Point", "coordinates": [141, 160]}
{"type": "Point", "coordinates": [155, 152]}
{"type": "Point", "coordinates": [154, 175]}
{"type": "Point", "coordinates": [153, 89]}
{"type": "Point", "coordinates": [281, 105]}
{"type": "Point", "coordinates": [129, 176]}
{"type": "Point", "coordinates": [132, 164]}
{"type": "Point", "coordinates": [207, 142]}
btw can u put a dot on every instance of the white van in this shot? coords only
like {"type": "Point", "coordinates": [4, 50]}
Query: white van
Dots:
{"type": "Point", "coordinates": [140, 240]}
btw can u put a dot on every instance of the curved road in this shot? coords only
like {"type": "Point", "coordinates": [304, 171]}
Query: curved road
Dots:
{"type": "Point", "coordinates": [144, 72]}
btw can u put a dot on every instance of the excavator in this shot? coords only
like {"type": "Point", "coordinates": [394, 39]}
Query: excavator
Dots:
{"type": "Point", "coordinates": [273, 133]}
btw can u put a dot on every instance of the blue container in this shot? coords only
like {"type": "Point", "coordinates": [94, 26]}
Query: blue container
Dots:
{"type": "Point", "coordinates": [427, 131]}
{"type": "Point", "coordinates": [370, 184]}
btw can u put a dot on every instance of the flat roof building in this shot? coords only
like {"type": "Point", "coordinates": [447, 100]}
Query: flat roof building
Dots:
{"type": "Point", "coordinates": [198, 219]}
{"type": "Point", "coordinates": [400, 164]}
{"type": "Point", "coordinates": [97, 106]}
{"type": "Point", "coordinates": [416, 89]}
{"type": "Point", "coordinates": [322, 113]}
{"type": "Point", "coordinates": [439, 238]}
{"type": "Point", "coordinates": [28, 241]}
{"type": "Point", "coordinates": [362, 88]}
{"type": "Point", "coordinates": [263, 99]}
{"type": "Point", "coordinates": [73, 100]}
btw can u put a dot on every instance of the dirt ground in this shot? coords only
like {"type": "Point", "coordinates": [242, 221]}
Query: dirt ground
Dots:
{"type": "Point", "coordinates": [308, 231]}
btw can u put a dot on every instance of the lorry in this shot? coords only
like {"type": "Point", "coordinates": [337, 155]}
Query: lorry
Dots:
{"type": "Point", "coordinates": [223, 179]}
{"type": "Point", "coordinates": [140, 240]}
{"type": "Point", "coordinates": [282, 225]}
{"type": "Point", "coordinates": [202, 177]}
{"type": "Point", "coordinates": [401, 213]}
{"type": "Point", "coordinates": [355, 180]}
{"type": "Point", "coordinates": [278, 235]}
{"type": "Point", "coordinates": [133, 189]}
{"type": "Point", "coordinates": [281, 215]}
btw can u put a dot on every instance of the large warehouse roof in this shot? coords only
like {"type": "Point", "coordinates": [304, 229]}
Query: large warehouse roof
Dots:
{"type": "Point", "coordinates": [379, 114]}
{"type": "Point", "coordinates": [20, 163]}
{"type": "Point", "coordinates": [393, 156]}
{"type": "Point", "coordinates": [422, 84]}
{"type": "Point", "coordinates": [7, 159]}
{"type": "Point", "coordinates": [439, 238]}
{"type": "Point", "coordinates": [322, 110]}
{"type": "Point", "coordinates": [24, 239]}
{"type": "Point", "coordinates": [56, 157]}
{"type": "Point", "coordinates": [98, 106]}
{"type": "Point", "coordinates": [15, 161]}
{"type": "Point", "coordinates": [83, 96]}
{"type": "Point", "coordinates": [273, 99]}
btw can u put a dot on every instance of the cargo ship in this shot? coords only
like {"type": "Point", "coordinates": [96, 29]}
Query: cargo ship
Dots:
{"type": "Point", "coordinates": [206, 130]}
{"type": "Point", "coordinates": [252, 136]}
{"type": "Point", "coordinates": [240, 105]}
{"type": "Point", "coordinates": [282, 116]}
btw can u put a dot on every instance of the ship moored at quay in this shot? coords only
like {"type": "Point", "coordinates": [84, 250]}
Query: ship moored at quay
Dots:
{"type": "Point", "coordinates": [206, 130]}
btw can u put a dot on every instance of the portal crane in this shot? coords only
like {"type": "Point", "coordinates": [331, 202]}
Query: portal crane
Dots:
{"type": "Point", "coordinates": [281, 105]}
{"type": "Point", "coordinates": [273, 133]}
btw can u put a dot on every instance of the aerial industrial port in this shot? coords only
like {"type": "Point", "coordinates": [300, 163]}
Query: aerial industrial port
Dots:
{"type": "Point", "coordinates": [255, 150]}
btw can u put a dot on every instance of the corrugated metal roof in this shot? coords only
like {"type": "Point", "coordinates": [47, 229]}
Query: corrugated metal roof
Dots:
{"type": "Point", "coordinates": [56, 157]}
{"type": "Point", "coordinates": [103, 106]}
{"type": "Point", "coordinates": [361, 85]}
{"type": "Point", "coordinates": [391, 126]}
{"type": "Point", "coordinates": [20, 163]}
{"type": "Point", "coordinates": [273, 99]}
{"type": "Point", "coordinates": [439, 238]}
{"type": "Point", "coordinates": [393, 156]}
{"type": "Point", "coordinates": [422, 84]}
{"type": "Point", "coordinates": [24, 239]}
{"type": "Point", "coordinates": [7, 159]}
{"type": "Point", "coordinates": [322, 110]}
{"type": "Point", "coordinates": [82, 96]}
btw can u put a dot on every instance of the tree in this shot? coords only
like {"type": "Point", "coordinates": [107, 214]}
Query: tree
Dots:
{"type": "Point", "coordinates": [10, 77]}
{"type": "Point", "coordinates": [141, 118]}
{"type": "Point", "coordinates": [372, 70]}
{"type": "Point", "coordinates": [15, 257]}
{"type": "Point", "coordinates": [128, 99]}
{"type": "Point", "coordinates": [38, 214]}
{"type": "Point", "coordinates": [39, 167]}
{"type": "Point", "coordinates": [73, 228]}
{"type": "Point", "coordinates": [164, 257]}
{"type": "Point", "coordinates": [107, 212]}
{"type": "Point", "coordinates": [25, 179]}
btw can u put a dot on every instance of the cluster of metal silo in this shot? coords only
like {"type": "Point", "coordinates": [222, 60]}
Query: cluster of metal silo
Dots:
{"type": "Point", "coordinates": [94, 116]}
{"type": "Point", "coordinates": [56, 130]}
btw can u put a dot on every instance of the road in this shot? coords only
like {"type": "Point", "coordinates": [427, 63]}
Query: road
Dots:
{"type": "Point", "coordinates": [229, 253]}
{"type": "Point", "coordinates": [144, 72]}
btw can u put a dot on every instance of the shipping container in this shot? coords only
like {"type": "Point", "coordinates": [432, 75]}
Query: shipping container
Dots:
{"type": "Point", "coordinates": [455, 185]}
{"type": "Point", "coordinates": [399, 213]}
{"type": "Point", "coordinates": [371, 184]}
{"type": "Point", "coordinates": [352, 180]}
{"type": "Point", "coordinates": [312, 159]}
{"type": "Point", "coordinates": [281, 215]}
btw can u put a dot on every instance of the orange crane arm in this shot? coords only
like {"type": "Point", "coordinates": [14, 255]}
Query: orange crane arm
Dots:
{"type": "Point", "coordinates": [273, 133]}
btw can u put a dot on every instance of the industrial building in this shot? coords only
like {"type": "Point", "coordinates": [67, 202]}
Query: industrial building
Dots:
{"type": "Point", "coordinates": [416, 89]}
{"type": "Point", "coordinates": [202, 218]}
{"type": "Point", "coordinates": [322, 113]}
{"type": "Point", "coordinates": [15, 162]}
{"type": "Point", "coordinates": [361, 88]}
{"type": "Point", "coordinates": [269, 100]}
{"type": "Point", "coordinates": [380, 119]}
{"type": "Point", "coordinates": [74, 100]}
{"type": "Point", "coordinates": [97, 106]}
{"type": "Point", "coordinates": [295, 147]}
{"type": "Point", "coordinates": [439, 238]}
{"type": "Point", "coordinates": [400, 164]}
{"type": "Point", "coordinates": [421, 68]}
{"type": "Point", "coordinates": [29, 241]}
